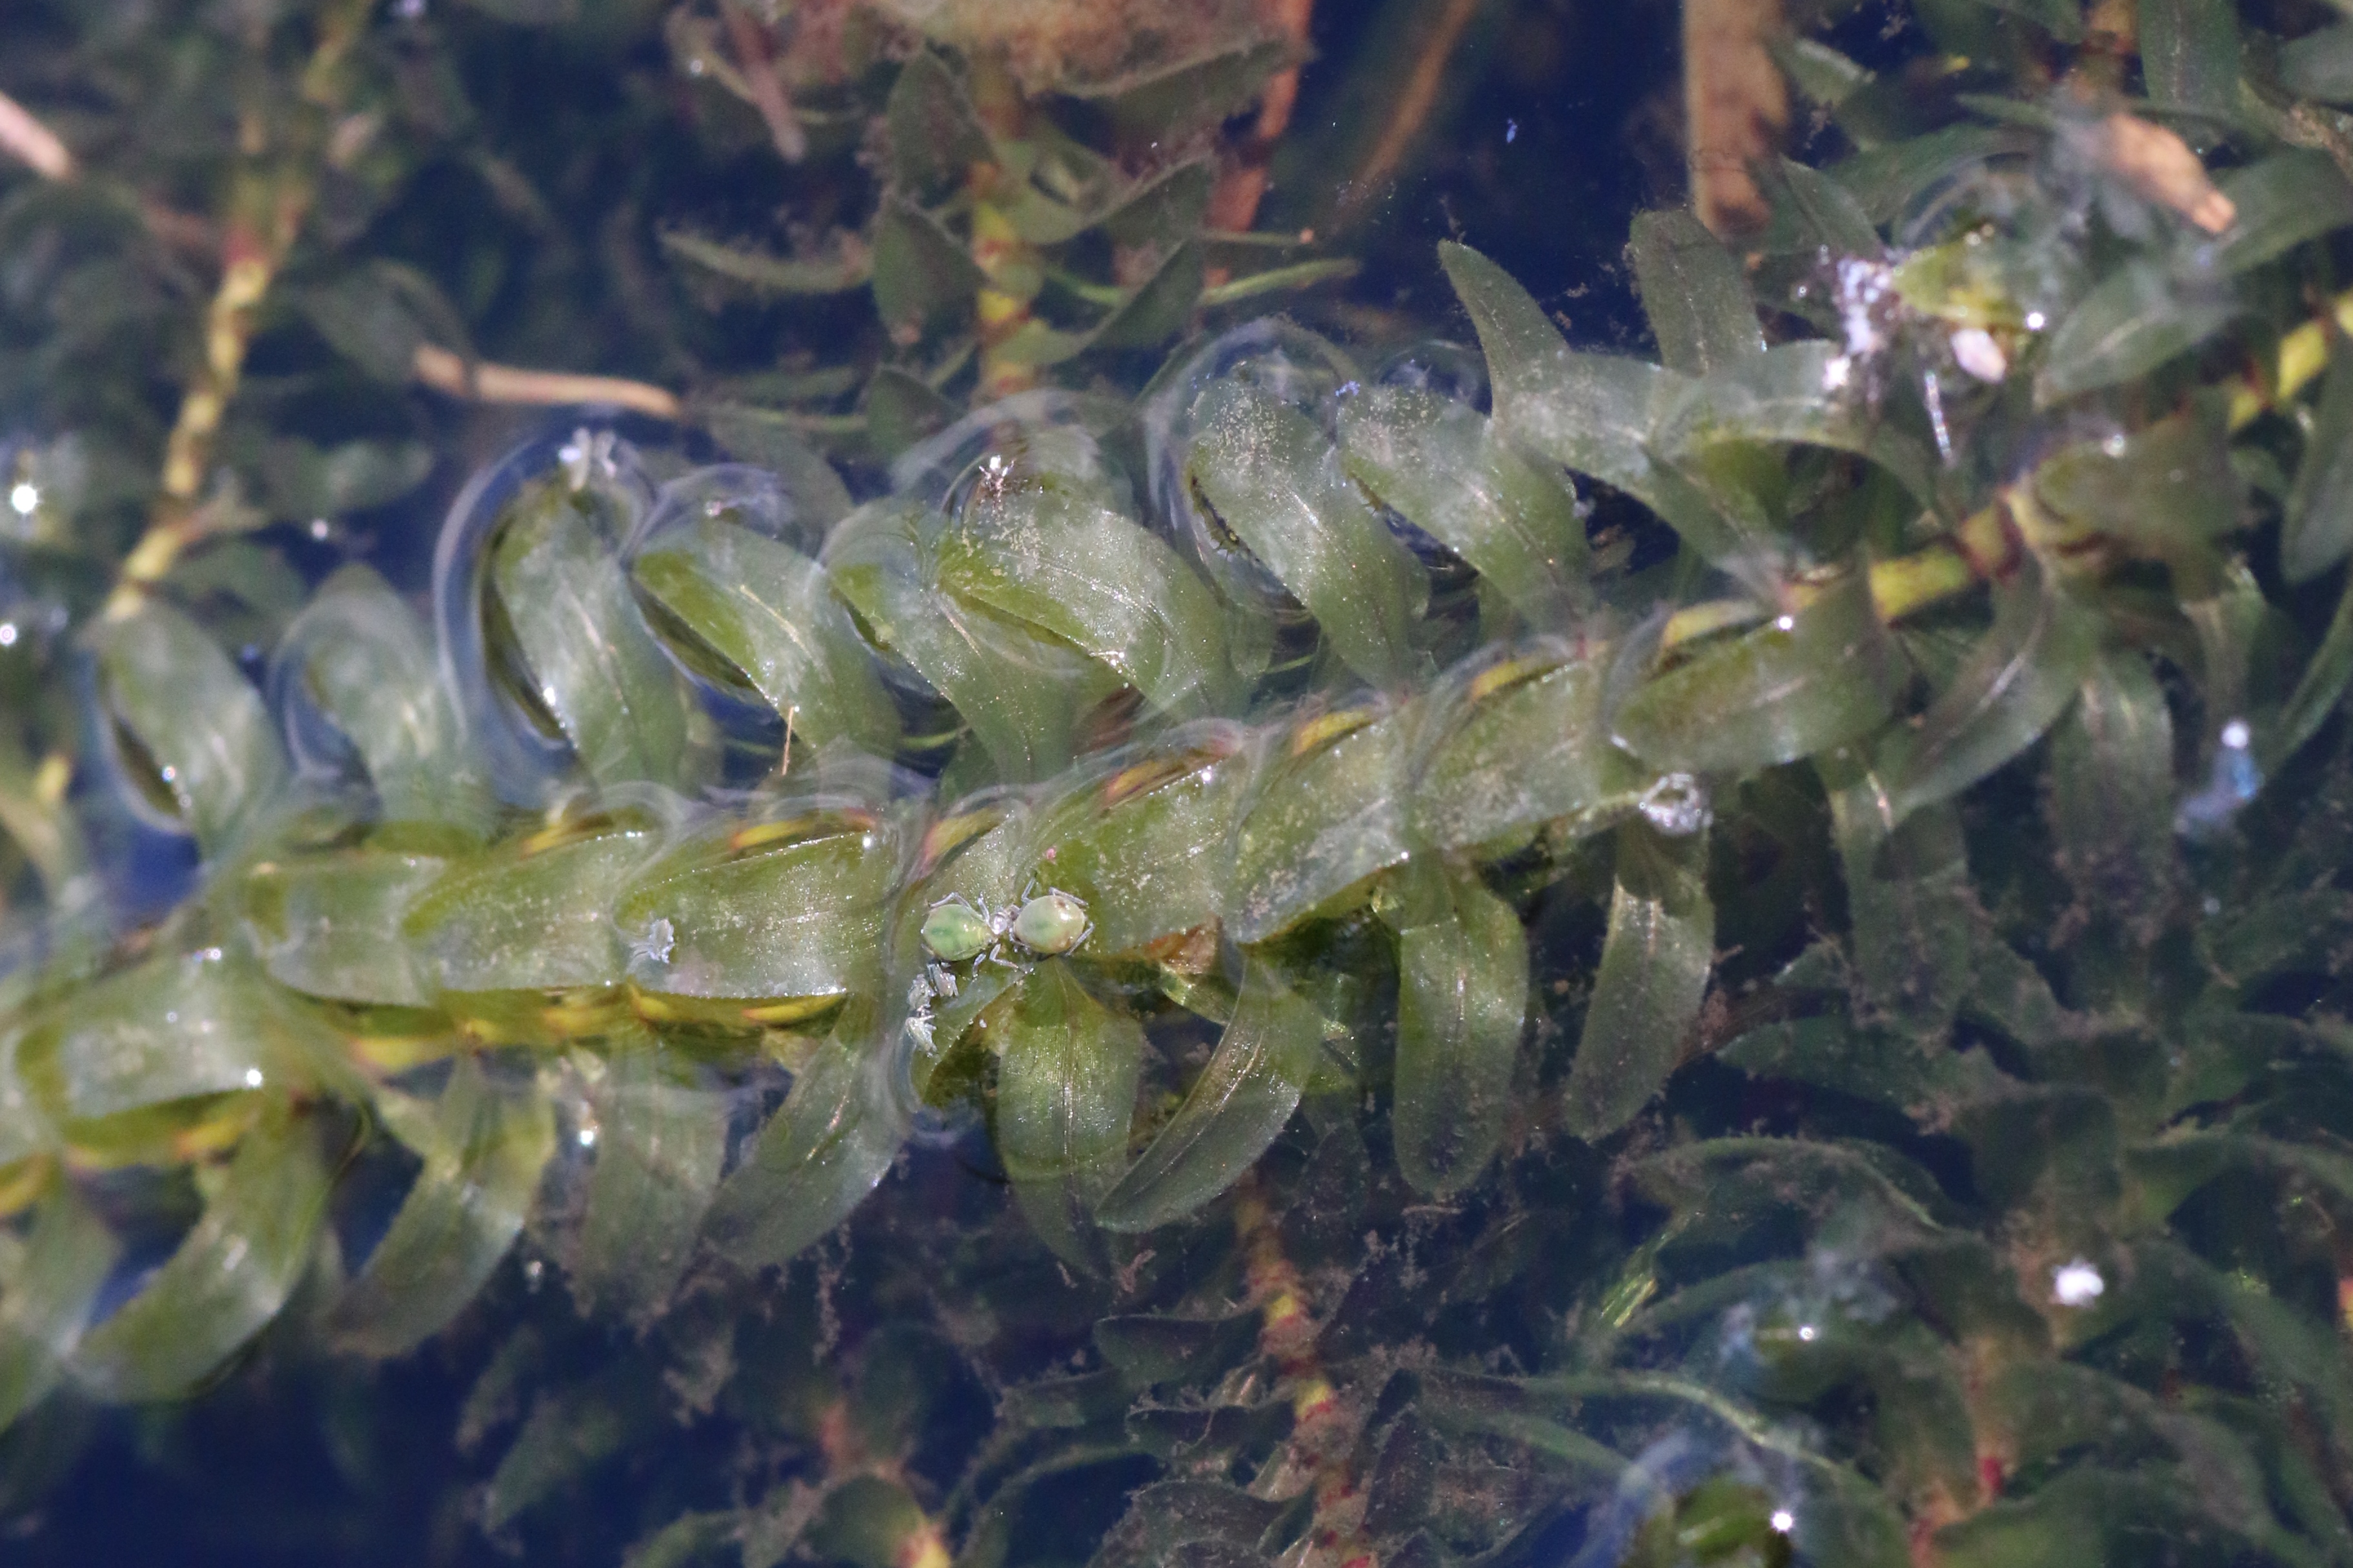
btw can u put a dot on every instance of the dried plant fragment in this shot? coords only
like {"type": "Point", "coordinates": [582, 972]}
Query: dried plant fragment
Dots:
{"type": "Point", "coordinates": [25, 138]}
{"type": "Point", "coordinates": [2158, 166]}
{"type": "Point", "coordinates": [1735, 107]}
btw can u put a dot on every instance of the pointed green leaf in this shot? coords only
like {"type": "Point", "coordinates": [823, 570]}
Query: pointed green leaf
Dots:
{"type": "Point", "coordinates": [1909, 910]}
{"type": "Point", "coordinates": [762, 911]}
{"type": "Point", "coordinates": [173, 1026]}
{"type": "Point", "coordinates": [1234, 1109]}
{"type": "Point", "coordinates": [569, 1433]}
{"type": "Point", "coordinates": [2112, 794]}
{"type": "Point", "coordinates": [1148, 1350]}
{"type": "Point", "coordinates": [1594, 413]}
{"type": "Point", "coordinates": [2283, 201]}
{"type": "Point", "coordinates": [1908, 1074]}
{"type": "Point", "coordinates": [2190, 53]}
{"type": "Point", "coordinates": [1886, 180]}
{"type": "Point", "coordinates": [468, 1205]}
{"type": "Point", "coordinates": [767, 438]}
{"type": "Point", "coordinates": [1461, 999]}
{"type": "Point", "coordinates": [920, 273]}
{"type": "Point", "coordinates": [369, 664]}
{"type": "Point", "coordinates": [1793, 393]}
{"type": "Point", "coordinates": [46, 1297]}
{"type": "Point", "coordinates": [300, 480]}
{"type": "Point", "coordinates": [1268, 474]}
{"type": "Point", "coordinates": [2132, 323]}
{"type": "Point", "coordinates": [1159, 307]}
{"type": "Point", "coordinates": [1166, 210]}
{"type": "Point", "coordinates": [2014, 684]}
{"type": "Point", "coordinates": [1695, 292]}
{"type": "Point", "coordinates": [660, 1137]}
{"type": "Point", "coordinates": [1445, 468]}
{"type": "Point", "coordinates": [935, 133]}
{"type": "Point", "coordinates": [2318, 528]}
{"type": "Point", "coordinates": [229, 1278]}
{"type": "Point", "coordinates": [767, 612]}
{"type": "Point", "coordinates": [1175, 99]}
{"type": "Point", "coordinates": [1522, 744]}
{"type": "Point", "coordinates": [901, 408]}
{"type": "Point", "coordinates": [820, 1155]}
{"type": "Point", "coordinates": [331, 924]}
{"type": "Point", "coordinates": [1809, 681]}
{"type": "Point", "coordinates": [212, 744]}
{"type": "Point", "coordinates": [1024, 695]}
{"type": "Point", "coordinates": [2166, 490]}
{"type": "Point", "coordinates": [1326, 818]}
{"type": "Point", "coordinates": [1158, 861]}
{"type": "Point", "coordinates": [1046, 552]}
{"type": "Point", "coordinates": [1065, 1092]}
{"type": "Point", "coordinates": [1823, 211]}
{"type": "Point", "coordinates": [1653, 974]}
{"type": "Point", "coordinates": [532, 915]}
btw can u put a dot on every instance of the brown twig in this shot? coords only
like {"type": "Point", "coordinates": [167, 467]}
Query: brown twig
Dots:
{"type": "Point", "coordinates": [484, 382]}
{"type": "Point", "coordinates": [1735, 107]}
{"type": "Point", "coordinates": [25, 137]}
{"type": "Point", "coordinates": [1234, 204]}
{"type": "Point", "coordinates": [758, 64]}
{"type": "Point", "coordinates": [1412, 107]}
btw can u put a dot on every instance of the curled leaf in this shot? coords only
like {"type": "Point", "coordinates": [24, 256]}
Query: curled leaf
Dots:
{"type": "Point", "coordinates": [1266, 472]}
{"type": "Point", "coordinates": [1808, 680]}
{"type": "Point", "coordinates": [597, 671]}
{"type": "Point", "coordinates": [2014, 685]}
{"type": "Point", "coordinates": [1447, 470]}
{"type": "Point", "coordinates": [1522, 743]}
{"type": "Point", "coordinates": [1653, 974]}
{"type": "Point", "coordinates": [1325, 819]}
{"type": "Point", "coordinates": [837, 1134]}
{"type": "Point", "coordinates": [229, 1278]}
{"type": "Point", "coordinates": [1462, 998]}
{"type": "Point", "coordinates": [1234, 1109]}
{"type": "Point", "coordinates": [1065, 1092]}
{"type": "Point", "coordinates": [214, 752]}
{"type": "Point", "coordinates": [768, 613]}
{"type": "Point", "coordinates": [468, 1205]}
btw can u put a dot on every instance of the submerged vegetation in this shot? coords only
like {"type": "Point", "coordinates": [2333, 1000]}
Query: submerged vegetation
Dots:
{"type": "Point", "coordinates": [989, 909]}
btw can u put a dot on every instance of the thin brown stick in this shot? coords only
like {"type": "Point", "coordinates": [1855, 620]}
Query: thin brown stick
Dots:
{"type": "Point", "coordinates": [25, 139]}
{"type": "Point", "coordinates": [1413, 107]}
{"type": "Point", "coordinates": [758, 64]}
{"type": "Point", "coordinates": [485, 383]}
{"type": "Point", "coordinates": [1735, 107]}
{"type": "Point", "coordinates": [1234, 204]}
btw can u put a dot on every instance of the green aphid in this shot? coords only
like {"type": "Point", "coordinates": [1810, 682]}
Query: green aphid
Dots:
{"type": "Point", "coordinates": [954, 931]}
{"type": "Point", "coordinates": [1051, 922]}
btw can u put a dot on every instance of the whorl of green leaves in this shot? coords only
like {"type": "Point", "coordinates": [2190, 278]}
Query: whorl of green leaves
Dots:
{"type": "Point", "coordinates": [1828, 1065]}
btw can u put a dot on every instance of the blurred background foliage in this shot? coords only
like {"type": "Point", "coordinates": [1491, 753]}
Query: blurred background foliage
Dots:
{"type": "Point", "coordinates": [924, 784]}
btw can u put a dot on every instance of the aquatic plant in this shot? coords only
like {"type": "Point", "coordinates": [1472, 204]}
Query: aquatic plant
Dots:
{"type": "Point", "coordinates": [1374, 951]}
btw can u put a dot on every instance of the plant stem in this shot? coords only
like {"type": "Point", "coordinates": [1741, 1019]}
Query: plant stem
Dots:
{"type": "Point", "coordinates": [1987, 543]}
{"type": "Point", "coordinates": [482, 381]}
{"type": "Point", "coordinates": [268, 207]}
